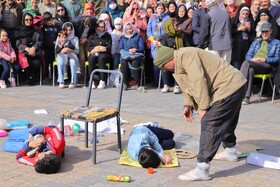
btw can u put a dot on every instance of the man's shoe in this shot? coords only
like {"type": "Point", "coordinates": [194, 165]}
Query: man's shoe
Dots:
{"type": "Point", "coordinates": [230, 154]}
{"type": "Point", "coordinates": [165, 89]}
{"type": "Point", "coordinates": [71, 86]}
{"type": "Point", "coordinates": [246, 101]}
{"type": "Point", "coordinates": [200, 173]}
{"type": "Point", "coordinates": [176, 90]}
{"type": "Point", "coordinates": [101, 85]}
{"type": "Point", "coordinates": [61, 85]}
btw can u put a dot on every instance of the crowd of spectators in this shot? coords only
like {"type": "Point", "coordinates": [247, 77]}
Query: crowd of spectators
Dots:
{"type": "Point", "coordinates": [126, 33]}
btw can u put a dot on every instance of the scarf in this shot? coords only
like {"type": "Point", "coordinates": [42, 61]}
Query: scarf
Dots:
{"type": "Point", "coordinates": [100, 34]}
{"type": "Point", "coordinates": [169, 30]}
{"type": "Point", "coordinates": [181, 20]}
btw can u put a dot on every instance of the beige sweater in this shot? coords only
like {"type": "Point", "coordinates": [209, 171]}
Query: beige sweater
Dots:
{"type": "Point", "coordinates": [205, 78]}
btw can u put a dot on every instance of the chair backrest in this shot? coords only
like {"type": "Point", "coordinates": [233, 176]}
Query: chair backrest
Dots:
{"type": "Point", "coordinates": [120, 87]}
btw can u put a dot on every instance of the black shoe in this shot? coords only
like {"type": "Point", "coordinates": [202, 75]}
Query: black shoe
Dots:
{"type": "Point", "coordinates": [246, 101]}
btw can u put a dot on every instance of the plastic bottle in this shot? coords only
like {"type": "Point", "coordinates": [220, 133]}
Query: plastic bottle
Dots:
{"type": "Point", "coordinates": [76, 128]}
{"type": "Point", "coordinates": [118, 178]}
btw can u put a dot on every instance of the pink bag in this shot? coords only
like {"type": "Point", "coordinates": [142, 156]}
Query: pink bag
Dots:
{"type": "Point", "coordinates": [22, 60]}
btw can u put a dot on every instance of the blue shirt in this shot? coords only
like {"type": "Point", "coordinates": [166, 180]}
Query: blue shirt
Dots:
{"type": "Point", "coordinates": [141, 136]}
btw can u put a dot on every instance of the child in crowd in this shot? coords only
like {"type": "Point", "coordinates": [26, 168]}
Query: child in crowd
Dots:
{"type": "Point", "coordinates": [7, 57]}
{"type": "Point", "coordinates": [49, 32]}
{"type": "Point", "coordinates": [61, 50]}
{"type": "Point", "coordinates": [116, 36]}
{"type": "Point", "coordinates": [146, 145]}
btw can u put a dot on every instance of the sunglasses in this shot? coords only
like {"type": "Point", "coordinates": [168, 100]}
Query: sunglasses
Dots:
{"type": "Point", "coordinates": [60, 10]}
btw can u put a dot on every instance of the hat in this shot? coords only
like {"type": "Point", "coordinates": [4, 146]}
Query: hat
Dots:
{"type": "Point", "coordinates": [38, 20]}
{"type": "Point", "coordinates": [266, 26]}
{"type": "Point", "coordinates": [209, 2]}
{"type": "Point", "coordinates": [163, 55]}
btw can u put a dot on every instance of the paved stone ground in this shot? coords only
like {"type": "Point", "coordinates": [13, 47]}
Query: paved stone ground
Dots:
{"type": "Point", "coordinates": [259, 125]}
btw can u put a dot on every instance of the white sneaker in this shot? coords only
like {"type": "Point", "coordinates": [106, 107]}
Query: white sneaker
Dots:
{"type": "Point", "coordinates": [71, 86]}
{"type": "Point", "coordinates": [165, 89]}
{"type": "Point", "coordinates": [65, 76]}
{"type": "Point", "coordinates": [176, 90]}
{"type": "Point", "coordinates": [230, 154]}
{"type": "Point", "coordinates": [61, 85]}
{"type": "Point", "coordinates": [93, 86]}
{"type": "Point", "coordinates": [101, 85]}
{"type": "Point", "coordinates": [3, 84]}
{"type": "Point", "coordinates": [78, 71]}
{"type": "Point", "coordinates": [200, 173]}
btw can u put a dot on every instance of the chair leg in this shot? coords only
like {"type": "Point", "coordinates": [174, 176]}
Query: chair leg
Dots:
{"type": "Point", "coordinates": [261, 90]}
{"type": "Point", "coordinates": [41, 74]}
{"type": "Point", "coordinates": [53, 76]}
{"type": "Point", "coordinates": [119, 133]}
{"type": "Point", "coordinates": [85, 77]}
{"type": "Point", "coordinates": [159, 79]}
{"type": "Point", "coordinates": [273, 94]}
{"type": "Point", "coordinates": [62, 131]}
{"type": "Point", "coordinates": [141, 79]}
{"type": "Point", "coordinates": [86, 134]}
{"type": "Point", "coordinates": [94, 143]}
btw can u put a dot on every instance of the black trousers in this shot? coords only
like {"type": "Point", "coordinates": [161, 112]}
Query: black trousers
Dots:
{"type": "Point", "coordinates": [136, 71]}
{"type": "Point", "coordinates": [249, 69]}
{"type": "Point", "coordinates": [102, 59]}
{"type": "Point", "coordinates": [165, 137]}
{"type": "Point", "coordinates": [218, 125]}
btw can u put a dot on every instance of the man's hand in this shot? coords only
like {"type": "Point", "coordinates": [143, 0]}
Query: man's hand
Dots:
{"type": "Point", "coordinates": [35, 143]}
{"type": "Point", "coordinates": [166, 159]}
{"type": "Point", "coordinates": [261, 60]}
{"type": "Point", "coordinates": [132, 50]}
{"type": "Point", "coordinates": [201, 113]}
{"type": "Point", "coordinates": [187, 113]}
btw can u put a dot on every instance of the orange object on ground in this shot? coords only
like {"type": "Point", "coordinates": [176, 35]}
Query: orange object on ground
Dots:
{"type": "Point", "coordinates": [150, 170]}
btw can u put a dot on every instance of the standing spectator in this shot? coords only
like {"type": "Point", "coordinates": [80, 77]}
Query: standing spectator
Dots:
{"type": "Point", "coordinates": [255, 7]}
{"type": "Point", "coordinates": [262, 56]}
{"type": "Point", "coordinates": [7, 58]}
{"type": "Point", "coordinates": [153, 3]}
{"type": "Point", "coordinates": [137, 17]}
{"type": "Point", "coordinates": [49, 32]}
{"type": "Point", "coordinates": [243, 34]}
{"type": "Point", "coordinates": [112, 8]}
{"type": "Point", "coordinates": [184, 24]}
{"type": "Point", "coordinates": [99, 47]}
{"type": "Point", "coordinates": [73, 7]}
{"type": "Point", "coordinates": [47, 6]}
{"type": "Point", "coordinates": [122, 5]}
{"type": "Point", "coordinates": [116, 36]}
{"type": "Point", "coordinates": [11, 18]}
{"type": "Point", "coordinates": [132, 54]}
{"type": "Point", "coordinates": [231, 8]}
{"type": "Point", "coordinates": [173, 39]}
{"type": "Point", "coordinates": [22, 2]}
{"type": "Point", "coordinates": [29, 43]}
{"type": "Point", "coordinates": [106, 17]}
{"type": "Point", "coordinates": [61, 16]}
{"type": "Point", "coordinates": [274, 11]}
{"type": "Point", "coordinates": [264, 16]}
{"type": "Point", "coordinates": [154, 31]}
{"type": "Point", "coordinates": [215, 33]}
{"type": "Point", "coordinates": [196, 21]}
{"type": "Point", "coordinates": [32, 8]}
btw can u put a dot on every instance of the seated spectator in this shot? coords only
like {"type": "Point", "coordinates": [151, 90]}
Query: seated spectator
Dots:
{"type": "Point", "coordinates": [105, 16]}
{"type": "Point", "coordinates": [7, 59]}
{"type": "Point", "coordinates": [116, 36]}
{"type": "Point", "coordinates": [67, 50]}
{"type": "Point", "coordinates": [262, 56]}
{"type": "Point", "coordinates": [184, 24]}
{"type": "Point", "coordinates": [32, 8]}
{"type": "Point", "coordinates": [99, 47]}
{"type": "Point", "coordinates": [132, 54]}
{"type": "Point", "coordinates": [61, 16]}
{"type": "Point", "coordinates": [264, 16]}
{"type": "Point", "coordinates": [243, 34]}
{"type": "Point", "coordinates": [146, 145]}
{"type": "Point", "coordinates": [137, 17]}
{"type": "Point", "coordinates": [47, 6]}
{"type": "Point", "coordinates": [112, 8]}
{"type": "Point", "coordinates": [29, 43]}
{"type": "Point", "coordinates": [42, 149]}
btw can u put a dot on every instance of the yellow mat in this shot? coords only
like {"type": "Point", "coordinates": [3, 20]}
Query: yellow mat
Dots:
{"type": "Point", "coordinates": [126, 160]}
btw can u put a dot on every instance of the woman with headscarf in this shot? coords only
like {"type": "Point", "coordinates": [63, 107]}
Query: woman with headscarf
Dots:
{"type": "Point", "coordinates": [29, 42]}
{"type": "Point", "coordinates": [264, 16]}
{"type": "Point", "coordinates": [243, 34]}
{"type": "Point", "coordinates": [173, 39]}
{"type": "Point", "coordinates": [106, 17]}
{"type": "Point", "coordinates": [171, 10]}
{"type": "Point", "coordinates": [99, 47]}
{"type": "Point", "coordinates": [61, 16]}
{"type": "Point", "coordinates": [154, 31]}
{"type": "Point", "coordinates": [112, 8]}
{"type": "Point", "coordinates": [137, 17]}
{"type": "Point", "coordinates": [184, 23]}
{"type": "Point", "coordinates": [132, 54]}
